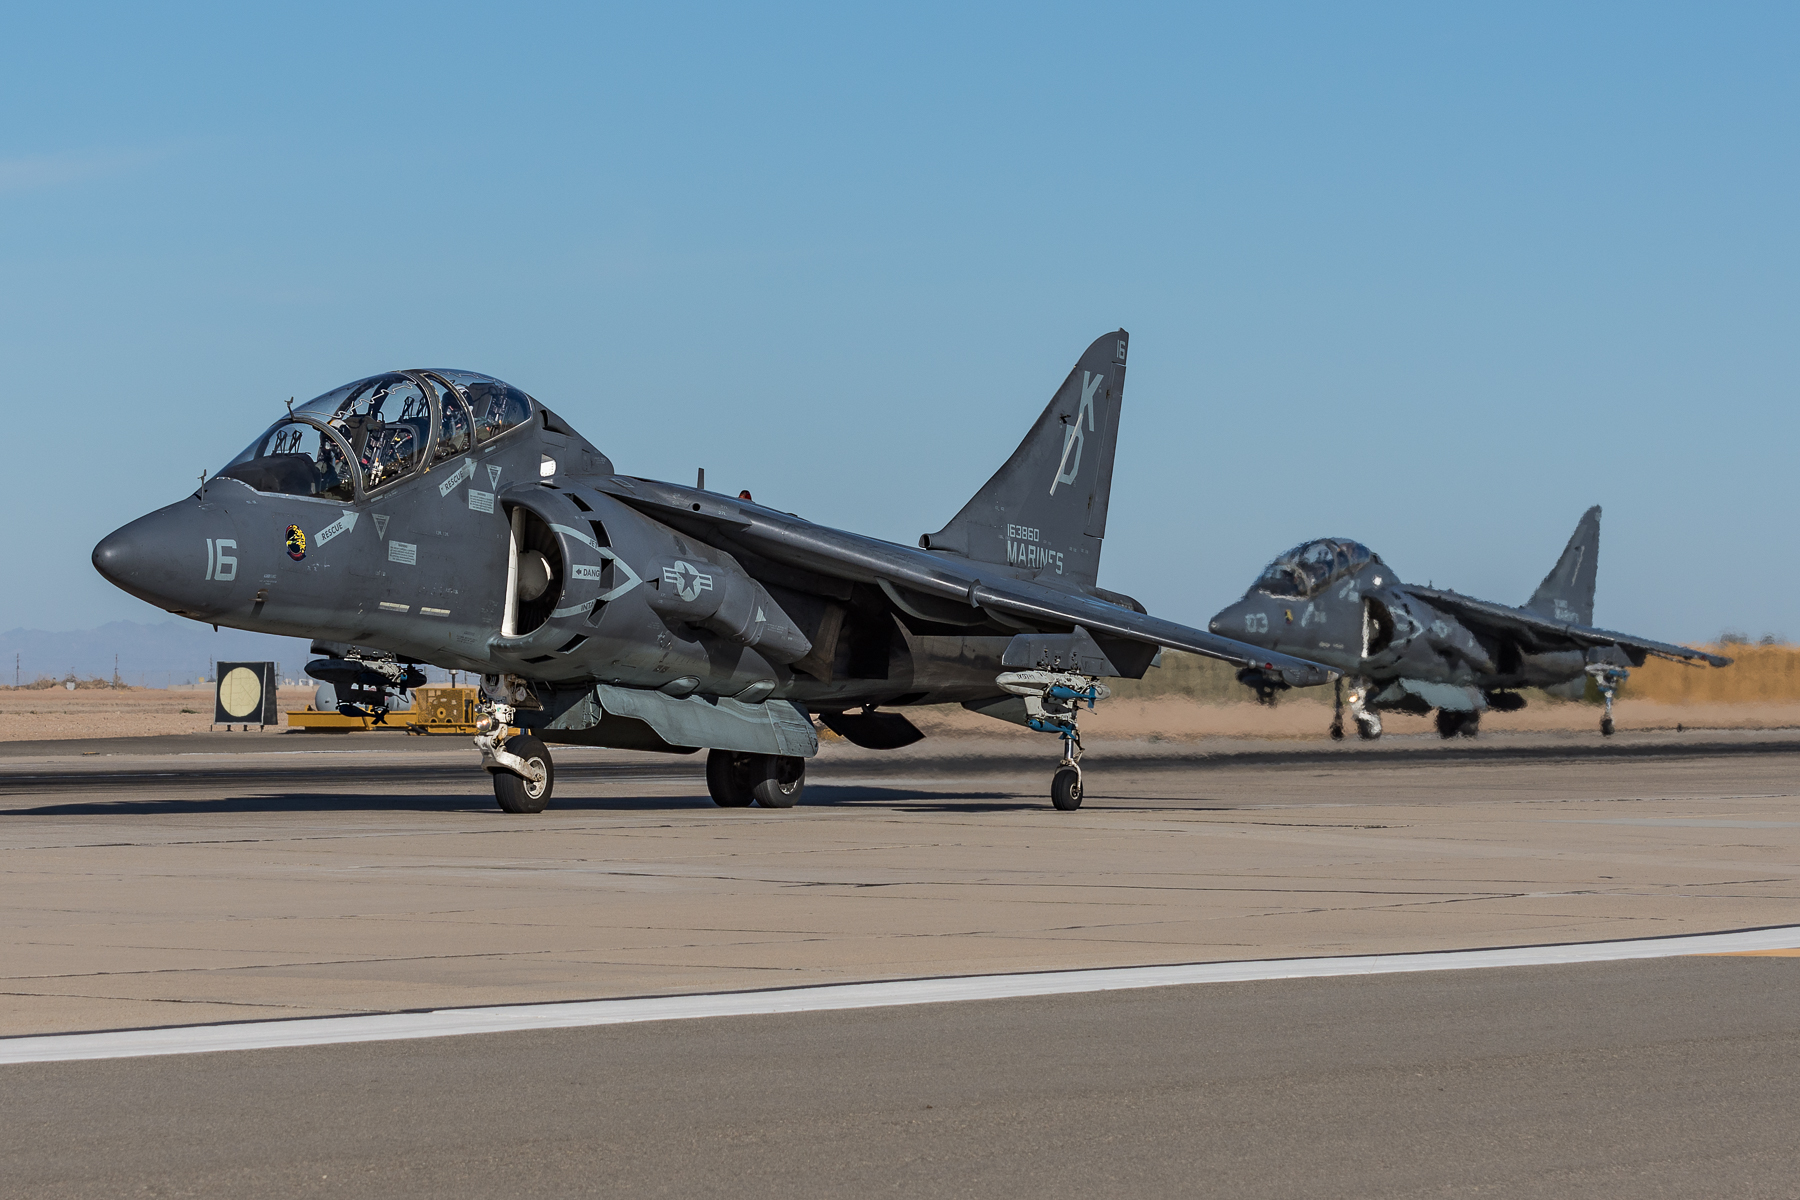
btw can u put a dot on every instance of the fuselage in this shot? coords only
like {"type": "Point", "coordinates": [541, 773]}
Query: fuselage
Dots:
{"type": "Point", "coordinates": [1350, 612]}
{"type": "Point", "coordinates": [430, 559]}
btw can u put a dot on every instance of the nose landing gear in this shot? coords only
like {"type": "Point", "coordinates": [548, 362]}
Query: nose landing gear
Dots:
{"type": "Point", "coordinates": [1368, 723]}
{"type": "Point", "coordinates": [519, 793]}
{"type": "Point", "coordinates": [1053, 702]}
{"type": "Point", "coordinates": [523, 773]}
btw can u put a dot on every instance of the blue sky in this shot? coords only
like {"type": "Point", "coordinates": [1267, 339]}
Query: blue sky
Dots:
{"type": "Point", "coordinates": [1434, 277]}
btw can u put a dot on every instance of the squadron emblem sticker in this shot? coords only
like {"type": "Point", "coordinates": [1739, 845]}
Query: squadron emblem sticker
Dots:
{"type": "Point", "coordinates": [296, 542]}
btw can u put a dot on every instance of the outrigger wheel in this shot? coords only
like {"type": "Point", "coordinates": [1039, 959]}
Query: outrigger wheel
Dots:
{"type": "Point", "coordinates": [517, 795]}
{"type": "Point", "coordinates": [1053, 701]}
{"type": "Point", "coordinates": [737, 780]}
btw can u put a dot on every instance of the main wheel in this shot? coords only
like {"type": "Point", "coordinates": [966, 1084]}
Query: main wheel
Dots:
{"type": "Point", "coordinates": [1368, 731]}
{"type": "Point", "coordinates": [1065, 789]}
{"type": "Point", "coordinates": [516, 795]}
{"type": "Point", "coordinates": [1448, 723]}
{"type": "Point", "coordinates": [728, 778]}
{"type": "Point", "coordinates": [779, 780]}
{"type": "Point", "coordinates": [1337, 731]}
{"type": "Point", "coordinates": [1606, 727]}
{"type": "Point", "coordinates": [1471, 724]}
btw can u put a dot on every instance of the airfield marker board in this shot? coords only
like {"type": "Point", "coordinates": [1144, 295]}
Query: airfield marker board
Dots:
{"type": "Point", "coordinates": [244, 694]}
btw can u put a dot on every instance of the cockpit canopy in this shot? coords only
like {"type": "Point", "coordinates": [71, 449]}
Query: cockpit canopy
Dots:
{"type": "Point", "coordinates": [1307, 569]}
{"type": "Point", "coordinates": [365, 436]}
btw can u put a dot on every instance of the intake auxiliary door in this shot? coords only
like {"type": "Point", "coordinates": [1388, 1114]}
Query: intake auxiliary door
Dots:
{"type": "Point", "coordinates": [1377, 627]}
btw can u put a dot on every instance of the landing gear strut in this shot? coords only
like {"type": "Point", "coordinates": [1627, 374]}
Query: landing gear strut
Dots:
{"type": "Point", "coordinates": [1053, 702]}
{"type": "Point", "coordinates": [523, 774]}
{"type": "Point", "coordinates": [1608, 679]}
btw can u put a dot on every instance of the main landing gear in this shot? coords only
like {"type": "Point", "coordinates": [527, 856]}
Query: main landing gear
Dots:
{"type": "Point", "coordinates": [1451, 723]}
{"type": "Point", "coordinates": [1053, 702]}
{"type": "Point", "coordinates": [766, 780]}
{"type": "Point", "coordinates": [1608, 679]}
{"type": "Point", "coordinates": [1368, 723]}
{"type": "Point", "coordinates": [523, 774]}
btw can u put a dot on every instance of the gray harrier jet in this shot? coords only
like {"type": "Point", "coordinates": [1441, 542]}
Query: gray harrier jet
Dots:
{"type": "Point", "coordinates": [1414, 649]}
{"type": "Point", "coordinates": [443, 517]}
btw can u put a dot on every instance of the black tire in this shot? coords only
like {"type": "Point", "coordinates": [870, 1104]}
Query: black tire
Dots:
{"type": "Point", "coordinates": [1448, 723]}
{"type": "Point", "coordinates": [1368, 731]}
{"type": "Point", "coordinates": [780, 779]}
{"type": "Point", "coordinates": [516, 795]}
{"type": "Point", "coordinates": [1471, 724]}
{"type": "Point", "coordinates": [728, 778]}
{"type": "Point", "coordinates": [1606, 727]}
{"type": "Point", "coordinates": [1337, 731]}
{"type": "Point", "coordinates": [1065, 789]}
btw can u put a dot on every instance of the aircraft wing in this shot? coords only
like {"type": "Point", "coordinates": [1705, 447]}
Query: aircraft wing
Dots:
{"type": "Point", "coordinates": [1036, 603]}
{"type": "Point", "coordinates": [1503, 619]}
{"type": "Point", "coordinates": [936, 585]}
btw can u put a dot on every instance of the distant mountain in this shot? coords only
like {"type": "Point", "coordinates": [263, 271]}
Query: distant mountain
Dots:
{"type": "Point", "coordinates": [147, 655]}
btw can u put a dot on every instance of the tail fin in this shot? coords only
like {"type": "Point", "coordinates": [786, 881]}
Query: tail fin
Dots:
{"type": "Point", "coordinates": [1045, 510]}
{"type": "Point", "coordinates": [1567, 593]}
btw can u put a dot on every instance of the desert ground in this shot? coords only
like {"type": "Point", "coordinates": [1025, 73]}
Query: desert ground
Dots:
{"type": "Point", "coordinates": [46, 714]}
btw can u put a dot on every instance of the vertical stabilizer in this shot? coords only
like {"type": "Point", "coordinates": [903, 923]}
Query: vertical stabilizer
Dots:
{"type": "Point", "coordinates": [1045, 510]}
{"type": "Point", "coordinates": [1567, 593]}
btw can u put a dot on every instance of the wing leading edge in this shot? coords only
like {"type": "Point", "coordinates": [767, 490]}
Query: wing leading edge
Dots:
{"type": "Point", "coordinates": [1504, 619]}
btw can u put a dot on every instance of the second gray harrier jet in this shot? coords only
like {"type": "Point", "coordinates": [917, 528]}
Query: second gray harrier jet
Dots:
{"type": "Point", "coordinates": [1415, 649]}
{"type": "Point", "coordinates": [445, 517]}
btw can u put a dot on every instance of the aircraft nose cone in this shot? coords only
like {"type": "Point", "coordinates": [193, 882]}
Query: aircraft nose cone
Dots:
{"type": "Point", "coordinates": [116, 557]}
{"type": "Point", "coordinates": [1243, 621]}
{"type": "Point", "coordinates": [173, 558]}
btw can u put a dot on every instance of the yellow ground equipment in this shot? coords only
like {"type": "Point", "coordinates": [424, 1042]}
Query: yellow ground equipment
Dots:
{"type": "Point", "coordinates": [434, 710]}
{"type": "Point", "coordinates": [443, 710]}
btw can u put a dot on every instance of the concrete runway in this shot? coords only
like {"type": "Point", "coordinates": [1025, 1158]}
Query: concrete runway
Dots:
{"type": "Point", "coordinates": [1673, 1077]}
{"type": "Point", "coordinates": [150, 890]}
{"type": "Point", "coordinates": [177, 889]}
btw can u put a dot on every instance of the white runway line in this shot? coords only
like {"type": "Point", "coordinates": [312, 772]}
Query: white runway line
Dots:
{"type": "Point", "coordinates": [456, 1022]}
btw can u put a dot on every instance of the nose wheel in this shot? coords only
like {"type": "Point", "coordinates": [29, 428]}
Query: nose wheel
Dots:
{"type": "Point", "coordinates": [523, 774]}
{"type": "Point", "coordinates": [1368, 723]}
{"type": "Point", "coordinates": [523, 794]}
{"type": "Point", "coordinates": [1053, 701]}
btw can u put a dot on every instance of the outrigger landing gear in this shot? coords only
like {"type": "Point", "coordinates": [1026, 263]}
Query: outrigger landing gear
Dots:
{"type": "Point", "coordinates": [1053, 702]}
{"type": "Point", "coordinates": [523, 773]}
{"type": "Point", "coordinates": [1608, 679]}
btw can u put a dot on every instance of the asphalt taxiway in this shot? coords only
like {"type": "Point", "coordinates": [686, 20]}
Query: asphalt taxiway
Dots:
{"type": "Point", "coordinates": [1672, 1077]}
{"type": "Point", "coordinates": [289, 881]}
